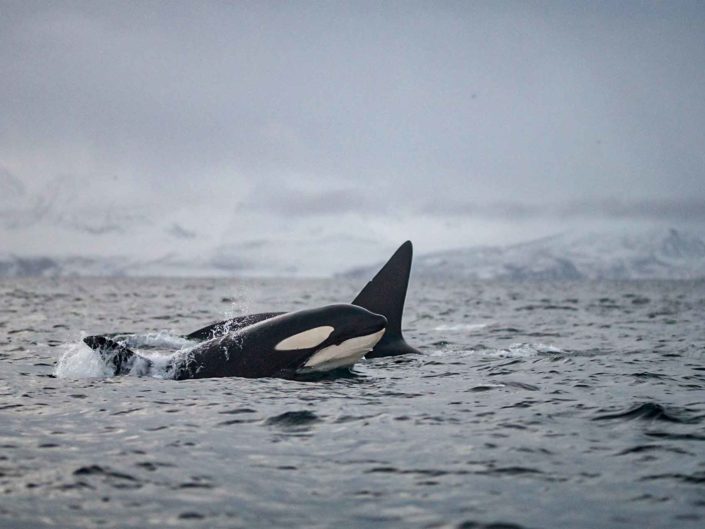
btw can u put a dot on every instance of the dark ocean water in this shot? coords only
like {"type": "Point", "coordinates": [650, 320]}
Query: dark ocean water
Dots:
{"type": "Point", "coordinates": [533, 405]}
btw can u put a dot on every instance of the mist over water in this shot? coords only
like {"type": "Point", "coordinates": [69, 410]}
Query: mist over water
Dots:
{"type": "Point", "coordinates": [545, 404]}
{"type": "Point", "coordinates": [279, 139]}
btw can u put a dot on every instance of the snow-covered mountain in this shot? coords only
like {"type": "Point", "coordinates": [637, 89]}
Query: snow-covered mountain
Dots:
{"type": "Point", "coordinates": [90, 226]}
{"type": "Point", "coordinates": [653, 254]}
{"type": "Point", "coordinates": [81, 226]}
{"type": "Point", "coordinates": [664, 254]}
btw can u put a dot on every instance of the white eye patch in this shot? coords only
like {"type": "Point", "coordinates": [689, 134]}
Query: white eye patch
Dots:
{"type": "Point", "coordinates": [305, 339]}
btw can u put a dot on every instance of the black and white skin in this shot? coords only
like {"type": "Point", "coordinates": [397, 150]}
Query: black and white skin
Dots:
{"type": "Point", "coordinates": [385, 294]}
{"type": "Point", "coordinates": [295, 343]}
{"type": "Point", "coordinates": [260, 345]}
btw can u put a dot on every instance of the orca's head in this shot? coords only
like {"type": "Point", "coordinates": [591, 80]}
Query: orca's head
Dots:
{"type": "Point", "coordinates": [329, 337]}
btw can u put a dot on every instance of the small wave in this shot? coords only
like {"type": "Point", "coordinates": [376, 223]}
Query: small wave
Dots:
{"type": "Point", "coordinates": [638, 449]}
{"type": "Point", "coordinates": [486, 387]}
{"type": "Point", "coordinates": [191, 515]}
{"type": "Point", "coordinates": [118, 480]}
{"type": "Point", "coordinates": [524, 350]}
{"type": "Point", "coordinates": [472, 524]}
{"type": "Point", "coordinates": [646, 411]}
{"type": "Point", "coordinates": [671, 436]}
{"type": "Point", "coordinates": [511, 471]}
{"type": "Point", "coordinates": [237, 411]}
{"type": "Point", "coordinates": [469, 327]}
{"type": "Point", "coordinates": [292, 419]}
{"type": "Point", "coordinates": [696, 478]}
{"type": "Point", "coordinates": [521, 385]}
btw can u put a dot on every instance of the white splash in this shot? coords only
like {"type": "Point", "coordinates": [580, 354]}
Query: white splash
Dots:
{"type": "Point", "coordinates": [79, 361]}
{"type": "Point", "coordinates": [160, 363]}
{"type": "Point", "coordinates": [155, 340]}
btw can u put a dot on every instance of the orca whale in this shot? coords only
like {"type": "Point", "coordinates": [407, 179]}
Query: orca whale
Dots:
{"type": "Point", "coordinates": [295, 343]}
{"type": "Point", "coordinates": [385, 294]}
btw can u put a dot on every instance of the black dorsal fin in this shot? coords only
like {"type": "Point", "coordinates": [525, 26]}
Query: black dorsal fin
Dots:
{"type": "Point", "coordinates": [385, 295]}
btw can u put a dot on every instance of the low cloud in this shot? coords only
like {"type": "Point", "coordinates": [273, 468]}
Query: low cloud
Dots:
{"type": "Point", "coordinates": [289, 201]}
{"type": "Point", "coordinates": [666, 210]}
{"type": "Point", "coordinates": [452, 123]}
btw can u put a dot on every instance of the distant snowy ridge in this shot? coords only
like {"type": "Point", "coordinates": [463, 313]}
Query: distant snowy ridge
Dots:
{"type": "Point", "coordinates": [15, 266]}
{"type": "Point", "coordinates": [123, 266]}
{"type": "Point", "coordinates": [63, 229]}
{"type": "Point", "coordinates": [655, 254]}
{"type": "Point", "coordinates": [103, 226]}
{"type": "Point", "coordinates": [660, 254]}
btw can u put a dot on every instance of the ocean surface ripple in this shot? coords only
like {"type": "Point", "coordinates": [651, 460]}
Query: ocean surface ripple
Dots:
{"type": "Point", "coordinates": [533, 405]}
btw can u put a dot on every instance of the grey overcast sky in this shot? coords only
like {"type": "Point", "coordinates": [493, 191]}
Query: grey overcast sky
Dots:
{"type": "Point", "coordinates": [450, 122]}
